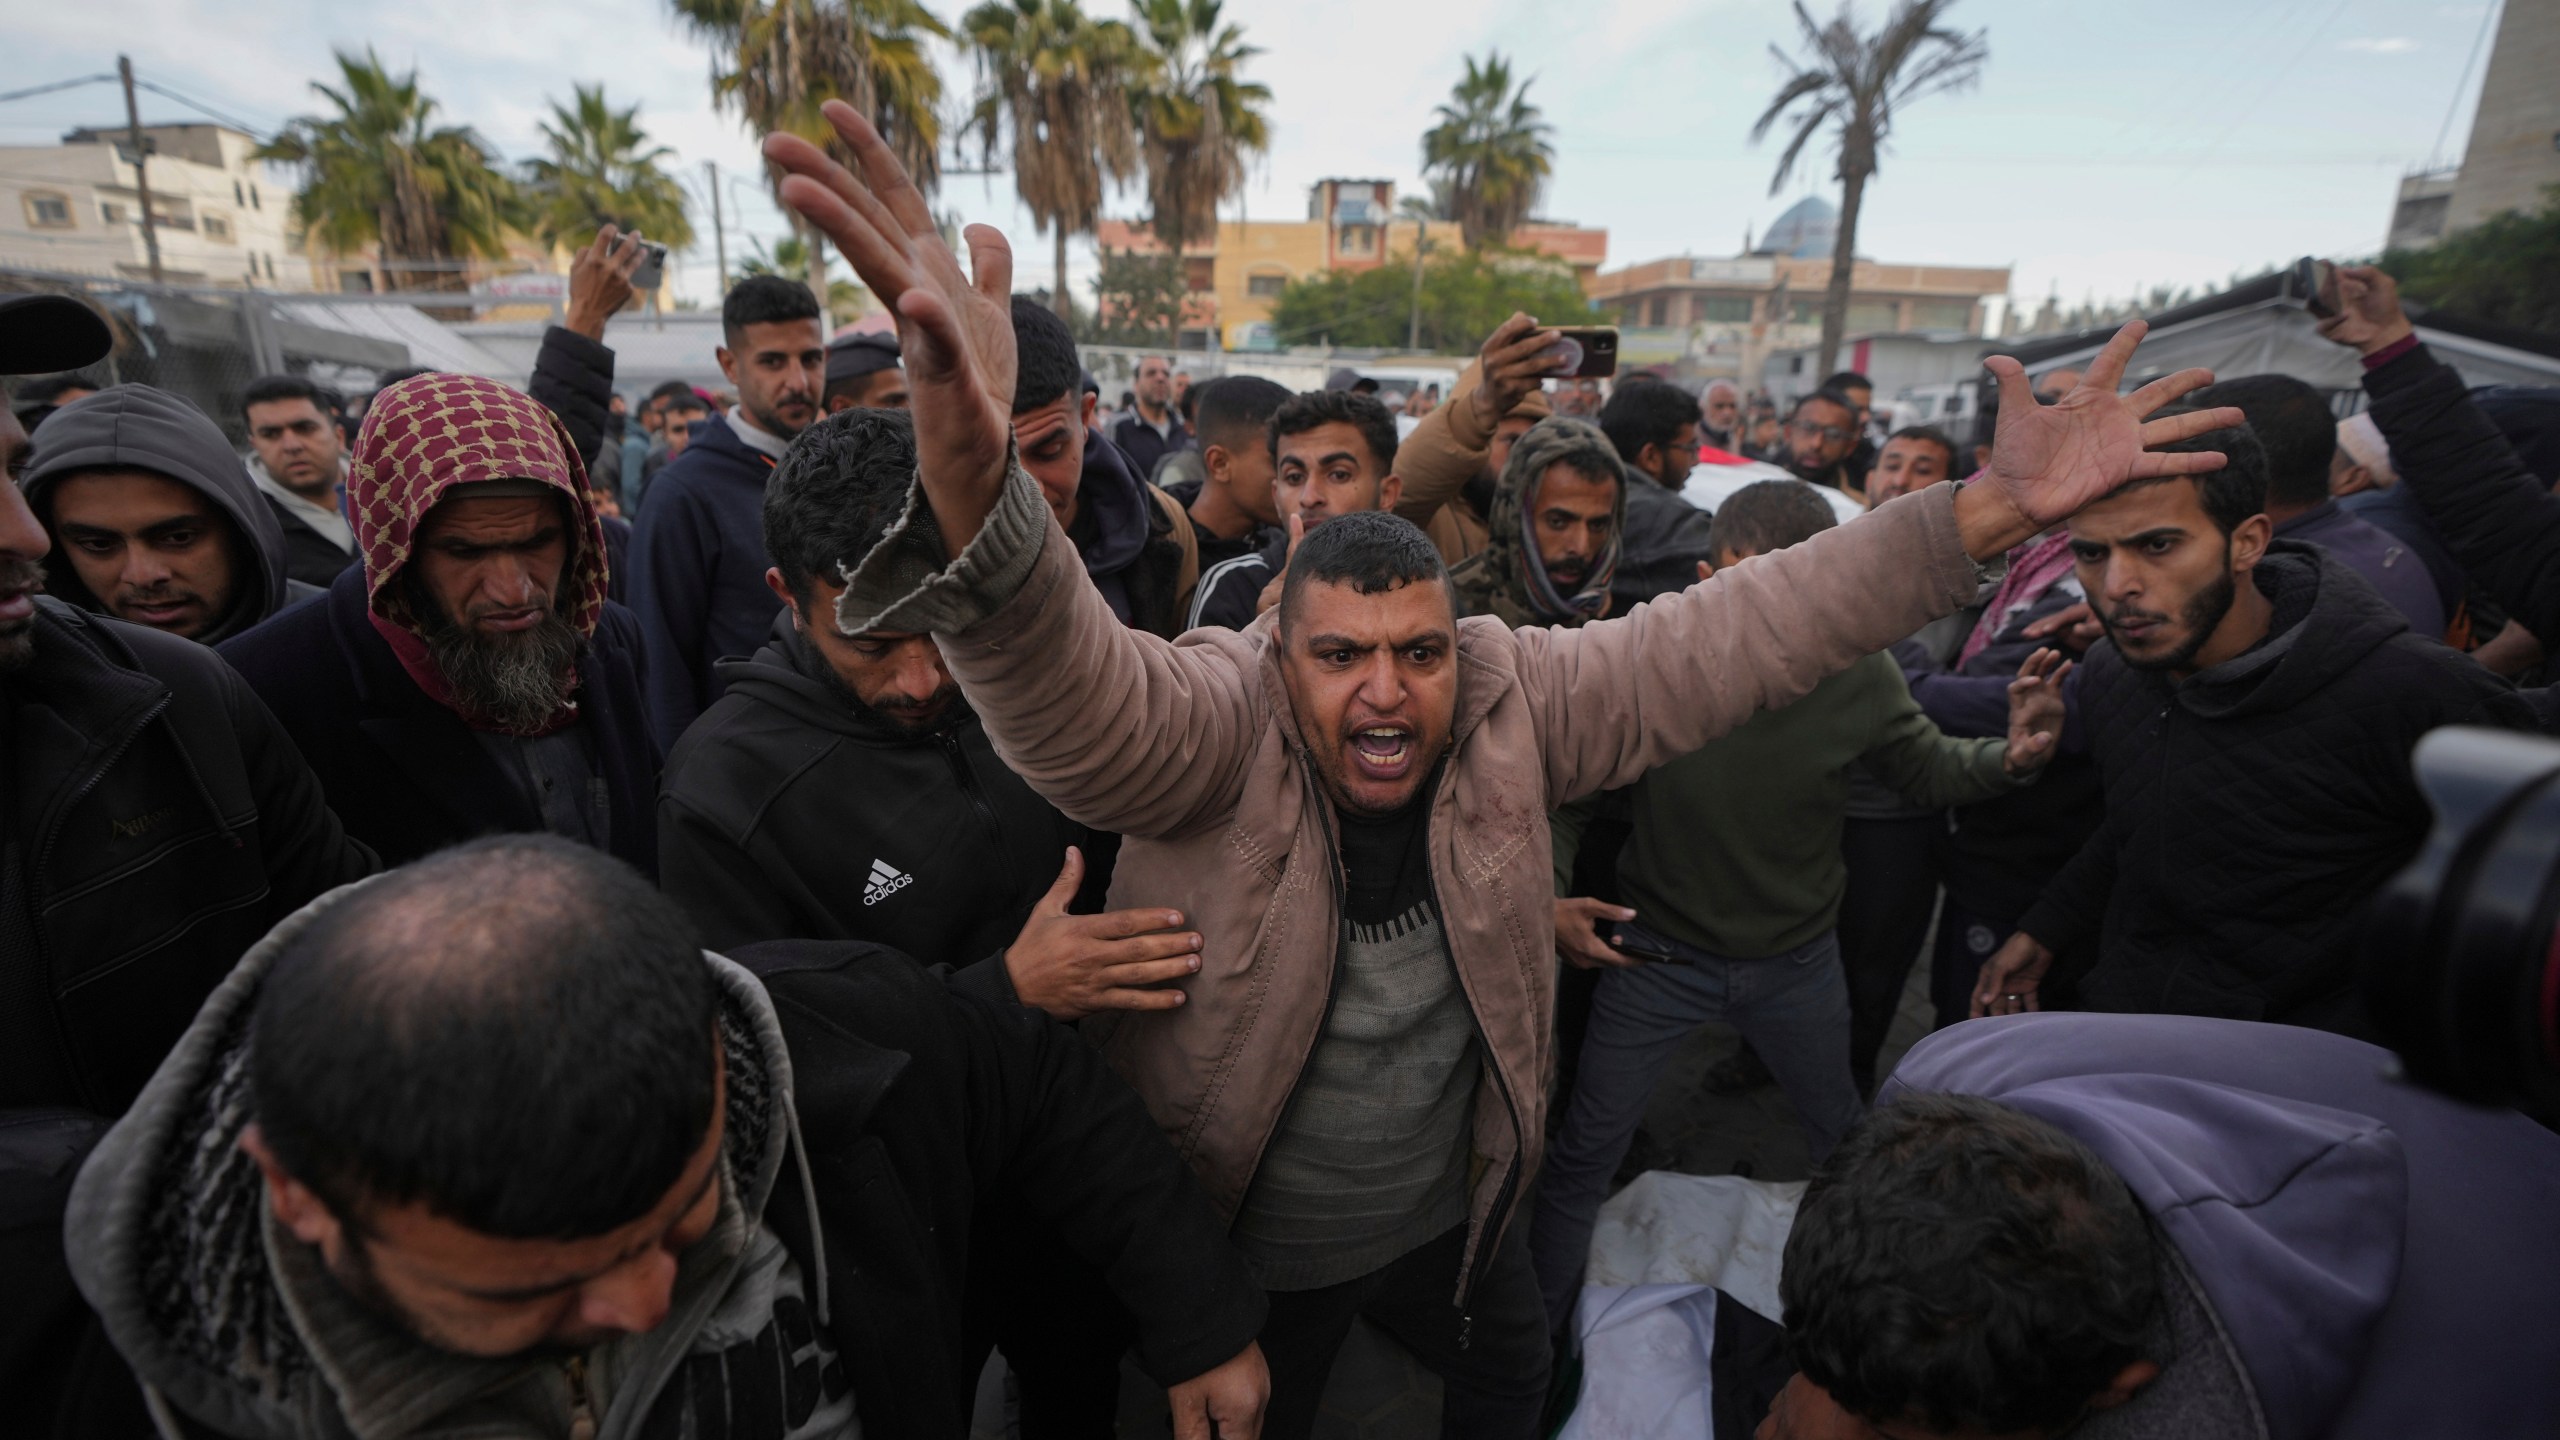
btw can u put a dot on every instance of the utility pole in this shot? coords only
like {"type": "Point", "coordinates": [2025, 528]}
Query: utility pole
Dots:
{"type": "Point", "coordinates": [719, 228]}
{"type": "Point", "coordinates": [141, 176]}
{"type": "Point", "coordinates": [1421, 242]}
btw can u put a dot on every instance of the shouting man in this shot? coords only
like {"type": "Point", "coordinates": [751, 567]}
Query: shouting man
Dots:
{"type": "Point", "coordinates": [1349, 802]}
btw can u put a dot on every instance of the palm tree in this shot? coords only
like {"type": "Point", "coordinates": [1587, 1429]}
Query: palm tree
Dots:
{"type": "Point", "coordinates": [1852, 84]}
{"type": "Point", "coordinates": [1056, 78]}
{"type": "Point", "coordinates": [380, 172]}
{"type": "Point", "coordinates": [602, 170]}
{"type": "Point", "coordinates": [1197, 116]}
{"type": "Point", "coordinates": [790, 256]}
{"type": "Point", "coordinates": [1490, 150]}
{"type": "Point", "coordinates": [782, 59]}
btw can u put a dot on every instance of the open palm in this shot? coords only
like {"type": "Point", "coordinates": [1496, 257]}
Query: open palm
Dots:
{"type": "Point", "coordinates": [955, 329]}
{"type": "Point", "coordinates": [2047, 461]}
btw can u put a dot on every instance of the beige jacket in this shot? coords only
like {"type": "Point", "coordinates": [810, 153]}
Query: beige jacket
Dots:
{"type": "Point", "coordinates": [1189, 749]}
{"type": "Point", "coordinates": [1437, 460]}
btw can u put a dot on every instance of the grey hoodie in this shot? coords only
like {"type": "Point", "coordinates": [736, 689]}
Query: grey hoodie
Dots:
{"type": "Point", "coordinates": [137, 427]}
{"type": "Point", "coordinates": [170, 1239]}
{"type": "Point", "coordinates": [2379, 1261]}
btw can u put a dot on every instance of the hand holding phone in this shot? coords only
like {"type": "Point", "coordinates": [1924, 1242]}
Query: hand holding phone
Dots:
{"type": "Point", "coordinates": [651, 272]}
{"type": "Point", "coordinates": [2316, 282]}
{"type": "Point", "coordinates": [1584, 353]}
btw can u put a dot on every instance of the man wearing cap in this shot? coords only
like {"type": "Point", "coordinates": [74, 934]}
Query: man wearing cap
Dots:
{"type": "Point", "coordinates": [152, 518]}
{"type": "Point", "coordinates": [863, 370]}
{"type": "Point", "coordinates": [154, 822]}
{"type": "Point", "coordinates": [470, 677]}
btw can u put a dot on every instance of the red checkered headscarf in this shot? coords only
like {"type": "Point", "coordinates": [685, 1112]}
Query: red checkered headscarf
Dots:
{"type": "Point", "coordinates": [430, 433]}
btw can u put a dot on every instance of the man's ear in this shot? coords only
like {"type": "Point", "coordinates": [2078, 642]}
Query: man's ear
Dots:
{"type": "Point", "coordinates": [1215, 459]}
{"type": "Point", "coordinates": [1085, 408]}
{"type": "Point", "coordinates": [1390, 490]}
{"type": "Point", "coordinates": [295, 1207]}
{"type": "Point", "coordinates": [2128, 1383]}
{"type": "Point", "coordinates": [2249, 542]}
{"type": "Point", "coordinates": [728, 364]}
{"type": "Point", "coordinates": [781, 588]}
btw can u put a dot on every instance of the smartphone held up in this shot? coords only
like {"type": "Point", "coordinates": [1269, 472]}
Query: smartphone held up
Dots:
{"type": "Point", "coordinates": [1585, 353]}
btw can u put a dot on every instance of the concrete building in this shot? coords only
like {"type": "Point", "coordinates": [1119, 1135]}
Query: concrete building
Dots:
{"type": "Point", "coordinates": [2513, 155]}
{"type": "Point", "coordinates": [1724, 317]}
{"type": "Point", "coordinates": [223, 219]}
{"type": "Point", "coordinates": [1350, 225]}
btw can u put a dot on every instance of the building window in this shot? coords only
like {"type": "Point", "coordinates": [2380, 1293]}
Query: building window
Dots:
{"type": "Point", "coordinates": [1724, 309]}
{"type": "Point", "coordinates": [238, 196]}
{"type": "Point", "coordinates": [111, 213]}
{"type": "Point", "coordinates": [1265, 287]}
{"type": "Point", "coordinates": [1358, 240]}
{"type": "Point", "coordinates": [254, 203]}
{"type": "Point", "coordinates": [271, 268]}
{"type": "Point", "coordinates": [48, 211]}
{"type": "Point", "coordinates": [1659, 311]}
{"type": "Point", "coordinates": [356, 282]}
{"type": "Point", "coordinates": [217, 227]}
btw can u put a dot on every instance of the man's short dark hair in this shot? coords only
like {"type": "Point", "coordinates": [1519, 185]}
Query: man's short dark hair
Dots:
{"type": "Point", "coordinates": [515, 1033]}
{"type": "Point", "coordinates": [1646, 414]}
{"type": "Point", "coordinates": [765, 300]}
{"type": "Point", "coordinates": [670, 390]}
{"type": "Point", "coordinates": [1959, 1264]}
{"type": "Point", "coordinates": [1358, 409]}
{"type": "Point", "coordinates": [2294, 426]}
{"type": "Point", "coordinates": [1235, 410]}
{"type": "Point", "coordinates": [1045, 364]}
{"type": "Point", "coordinates": [1769, 515]}
{"type": "Point", "coordinates": [1847, 380]}
{"type": "Point", "coordinates": [1827, 396]}
{"type": "Point", "coordinates": [843, 484]}
{"type": "Point", "coordinates": [1372, 551]}
{"type": "Point", "coordinates": [268, 389]}
{"type": "Point", "coordinates": [688, 401]}
{"type": "Point", "coordinates": [2231, 494]}
{"type": "Point", "coordinates": [1931, 435]}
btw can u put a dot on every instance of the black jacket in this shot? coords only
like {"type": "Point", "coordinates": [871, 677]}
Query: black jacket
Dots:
{"type": "Point", "coordinates": [941, 853]}
{"type": "Point", "coordinates": [405, 773]}
{"type": "Point", "coordinates": [2501, 523]}
{"type": "Point", "coordinates": [1665, 539]}
{"type": "Point", "coordinates": [1230, 590]}
{"type": "Point", "coordinates": [309, 556]}
{"type": "Point", "coordinates": [1145, 448]}
{"type": "Point", "coordinates": [2252, 808]}
{"type": "Point", "coordinates": [573, 379]}
{"type": "Point", "coordinates": [1125, 535]}
{"type": "Point", "coordinates": [164, 821]}
{"type": "Point", "coordinates": [923, 1109]}
{"type": "Point", "coordinates": [697, 572]}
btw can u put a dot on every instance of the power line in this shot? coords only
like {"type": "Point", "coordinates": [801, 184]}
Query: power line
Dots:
{"type": "Point", "coordinates": [231, 120]}
{"type": "Point", "coordinates": [56, 85]}
{"type": "Point", "coordinates": [2453, 107]}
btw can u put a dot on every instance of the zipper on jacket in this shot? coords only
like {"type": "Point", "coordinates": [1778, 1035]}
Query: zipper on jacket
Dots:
{"type": "Point", "coordinates": [582, 1410]}
{"type": "Point", "coordinates": [969, 785]}
{"type": "Point", "coordinates": [1333, 972]}
{"type": "Point", "coordinates": [1511, 1107]}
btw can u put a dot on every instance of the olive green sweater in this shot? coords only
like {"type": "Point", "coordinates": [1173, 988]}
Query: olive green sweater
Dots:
{"type": "Point", "coordinates": [1736, 847]}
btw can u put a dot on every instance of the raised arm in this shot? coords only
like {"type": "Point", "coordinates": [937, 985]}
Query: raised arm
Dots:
{"type": "Point", "coordinates": [1622, 695]}
{"type": "Point", "coordinates": [1447, 449]}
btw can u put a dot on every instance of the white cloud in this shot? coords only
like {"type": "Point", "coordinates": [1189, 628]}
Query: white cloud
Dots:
{"type": "Point", "coordinates": [2379, 44]}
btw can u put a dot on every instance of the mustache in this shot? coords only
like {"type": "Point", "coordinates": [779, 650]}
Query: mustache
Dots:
{"type": "Point", "coordinates": [20, 575]}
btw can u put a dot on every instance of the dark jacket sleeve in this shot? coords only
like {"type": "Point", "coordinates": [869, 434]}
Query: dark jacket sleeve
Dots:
{"type": "Point", "coordinates": [2069, 913]}
{"type": "Point", "coordinates": [573, 378]}
{"type": "Point", "coordinates": [671, 593]}
{"type": "Point", "coordinates": [308, 853]}
{"type": "Point", "coordinates": [2500, 524]}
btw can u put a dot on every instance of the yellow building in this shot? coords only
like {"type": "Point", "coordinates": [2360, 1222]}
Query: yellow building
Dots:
{"type": "Point", "coordinates": [1350, 225]}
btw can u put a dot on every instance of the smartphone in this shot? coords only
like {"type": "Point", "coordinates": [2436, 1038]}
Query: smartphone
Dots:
{"type": "Point", "coordinates": [651, 272]}
{"type": "Point", "coordinates": [1614, 934]}
{"type": "Point", "coordinates": [2316, 282]}
{"type": "Point", "coordinates": [1584, 353]}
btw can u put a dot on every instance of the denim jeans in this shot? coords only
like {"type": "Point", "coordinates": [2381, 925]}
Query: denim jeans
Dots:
{"type": "Point", "coordinates": [1792, 1007]}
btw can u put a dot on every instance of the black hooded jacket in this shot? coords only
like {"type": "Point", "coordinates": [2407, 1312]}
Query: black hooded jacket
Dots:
{"type": "Point", "coordinates": [137, 427]}
{"type": "Point", "coordinates": [1126, 531]}
{"type": "Point", "coordinates": [791, 813]}
{"type": "Point", "coordinates": [2252, 807]}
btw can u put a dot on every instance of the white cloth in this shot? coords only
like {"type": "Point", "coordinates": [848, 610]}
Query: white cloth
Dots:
{"type": "Point", "coordinates": [1647, 1363]}
{"type": "Point", "coordinates": [1709, 486]}
{"type": "Point", "coordinates": [1718, 1230]}
{"type": "Point", "coordinates": [756, 439]}
{"type": "Point", "coordinates": [325, 519]}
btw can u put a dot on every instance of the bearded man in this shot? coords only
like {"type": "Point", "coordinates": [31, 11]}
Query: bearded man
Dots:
{"type": "Point", "coordinates": [469, 678]}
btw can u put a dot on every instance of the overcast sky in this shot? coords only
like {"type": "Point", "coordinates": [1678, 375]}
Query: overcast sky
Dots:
{"type": "Point", "coordinates": [2107, 147]}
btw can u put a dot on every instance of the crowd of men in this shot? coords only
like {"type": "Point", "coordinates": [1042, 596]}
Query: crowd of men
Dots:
{"type": "Point", "coordinates": [581, 916]}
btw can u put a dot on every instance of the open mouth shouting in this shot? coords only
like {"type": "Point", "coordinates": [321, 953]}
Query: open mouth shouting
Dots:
{"type": "Point", "coordinates": [1383, 752]}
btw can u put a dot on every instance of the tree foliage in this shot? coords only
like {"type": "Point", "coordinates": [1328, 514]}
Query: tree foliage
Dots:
{"type": "Point", "coordinates": [1055, 81]}
{"type": "Point", "coordinates": [2505, 270]}
{"type": "Point", "coordinates": [789, 258]}
{"type": "Point", "coordinates": [1464, 296]}
{"type": "Point", "coordinates": [1138, 300]}
{"type": "Point", "coordinates": [1488, 155]}
{"type": "Point", "coordinates": [602, 170]}
{"type": "Point", "coordinates": [381, 172]}
{"type": "Point", "coordinates": [1849, 85]}
{"type": "Point", "coordinates": [1198, 118]}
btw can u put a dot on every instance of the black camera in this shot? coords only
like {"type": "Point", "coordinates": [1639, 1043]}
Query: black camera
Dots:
{"type": "Point", "coordinates": [2462, 953]}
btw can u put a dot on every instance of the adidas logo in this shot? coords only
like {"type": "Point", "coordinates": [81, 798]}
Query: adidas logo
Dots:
{"type": "Point", "coordinates": [886, 880]}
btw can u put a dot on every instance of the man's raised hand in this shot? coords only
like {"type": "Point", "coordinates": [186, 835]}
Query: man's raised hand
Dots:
{"type": "Point", "coordinates": [2036, 712]}
{"type": "Point", "coordinates": [955, 329]}
{"type": "Point", "coordinates": [2049, 461]}
{"type": "Point", "coordinates": [2369, 316]}
{"type": "Point", "coordinates": [1515, 360]}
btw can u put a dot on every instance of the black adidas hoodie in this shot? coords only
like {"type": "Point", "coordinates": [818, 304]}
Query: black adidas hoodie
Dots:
{"type": "Point", "coordinates": [790, 812]}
